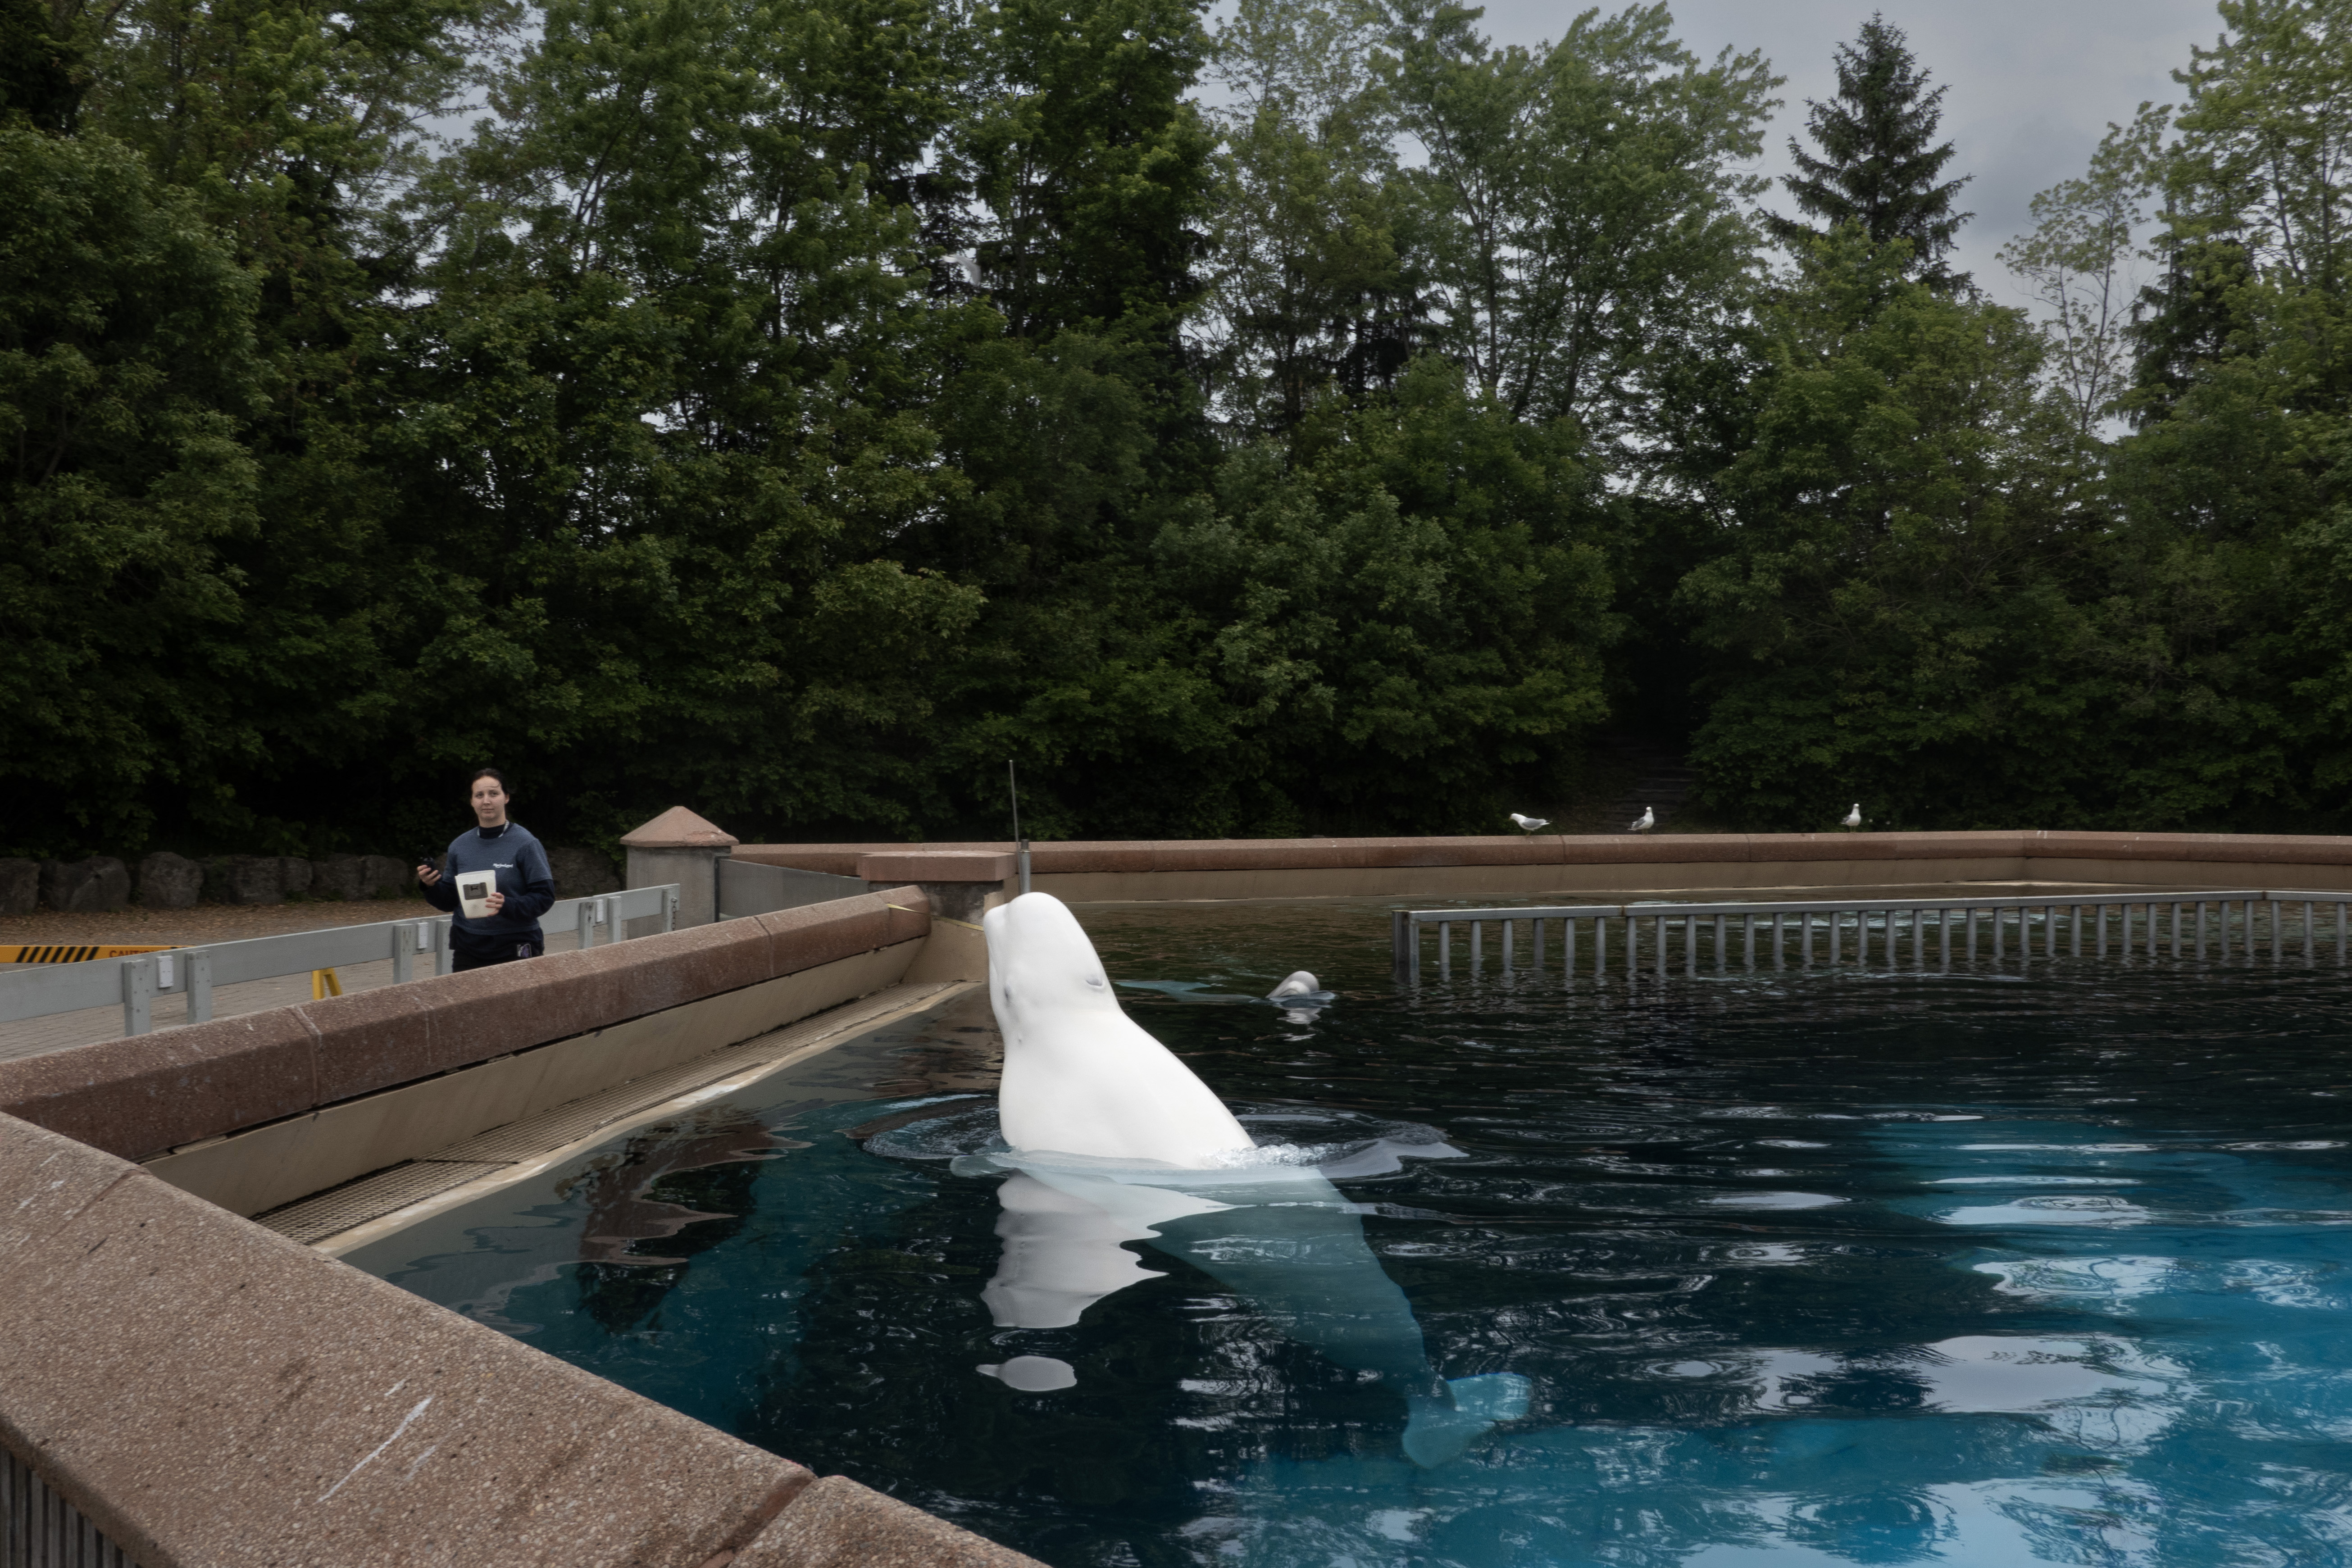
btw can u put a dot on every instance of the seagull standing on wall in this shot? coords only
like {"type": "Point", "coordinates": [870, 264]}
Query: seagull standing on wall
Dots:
{"type": "Point", "coordinates": [1646, 821]}
{"type": "Point", "coordinates": [1854, 818]}
{"type": "Point", "coordinates": [1530, 824]}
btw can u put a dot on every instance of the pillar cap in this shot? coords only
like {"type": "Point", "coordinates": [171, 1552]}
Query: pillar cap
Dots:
{"type": "Point", "coordinates": [679, 828]}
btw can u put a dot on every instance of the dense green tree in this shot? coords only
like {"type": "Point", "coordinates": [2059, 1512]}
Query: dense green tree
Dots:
{"type": "Point", "coordinates": [1583, 211]}
{"type": "Point", "coordinates": [127, 370]}
{"type": "Point", "coordinates": [1877, 167]}
{"type": "Point", "coordinates": [40, 73]}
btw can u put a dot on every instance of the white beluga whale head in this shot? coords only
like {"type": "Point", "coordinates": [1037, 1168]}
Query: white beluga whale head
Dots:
{"type": "Point", "coordinates": [1080, 1077]}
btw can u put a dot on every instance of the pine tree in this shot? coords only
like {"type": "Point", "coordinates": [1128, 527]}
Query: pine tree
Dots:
{"type": "Point", "coordinates": [1878, 169]}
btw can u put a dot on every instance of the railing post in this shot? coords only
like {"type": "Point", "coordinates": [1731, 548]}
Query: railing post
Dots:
{"type": "Point", "coordinates": [1445, 950]}
{"type": "Point", "coordinates": [2307, 907]}
{"type": "Point", "coordinates": [1534, 947]}
{"type": "Point", "coordinates": [1508, 927]}
{"type": "Point", "coordinates": [669, 911]}
{"type": "Point", "coordinates": [584, 922]}
{"type": "Point", "coordinates": [1690, 947]}
{"type": "Point", "coordinates": [1400, 922]}
{"type": "Point", "coordinates": [1477, 947]}
{"type": "Point", "coordinates": [138, 993]}
{"type": "Point", "coordinates": [1599, 949]}
{"type": "Point", "coordinates": [1658, 930]}
{"type": "Point", "coordinates": [199, 973]}
{"type": "Point", "coordinates": [1568, 950]}
{"type": "Point", "coordinates": [2278, 933]}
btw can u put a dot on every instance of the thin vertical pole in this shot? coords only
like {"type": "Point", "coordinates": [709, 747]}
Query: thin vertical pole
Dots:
{"type": "Point", "coordinates": [2339, 932]}
{"type": "Point", "coordinates": [2200, 929]}
{"type": "Point", "coordinates": [1445, 950]}
{"type": "Point", "coordinates": [1659, 922]}
{"type": "Point", "coordinates": [199, 960]}
{"type": "Point", "coordinates": [1748, 937]}
{"type": "Point", "coordinates": [1600, 948]}
{"type": "Point", "coordinates": [1944, 925]}
{"type": "Point", "coordinates": [2077, 912]}
{"type": "Point", "coordinates": [1805, 939]}
{"type": "Point", "coordinates": [1507, 927]}
{"type": "Point", "coordinates": [1633, 945]}
{"type": "Point", "coordinates": [1535, 955]}
{"type": "Point", "coordinates": [1721, 958]}
{"type": "Point", "coordinates": [2308, 905]}
{"type": "Point", "coordinates": [1567, 951]}
{"type": "Point", "coordinates": [1477, 956]}
{"type": "Point", "coordinates": [1690, 945]}
{"type": "Point", "coordinates": [2278, 934]}
{"type": "Point", "coordinates": [2176, 928]}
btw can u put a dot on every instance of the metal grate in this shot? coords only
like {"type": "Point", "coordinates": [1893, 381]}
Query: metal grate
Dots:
{"type": "Point", "coordinates": [337, 1210]}
{"type": "Point", "coordinates": [1925, 931]}
{"type": "Point", "coordinates": [38, 1529]}
{"type": "Point", "coordinates": [328, 1214]}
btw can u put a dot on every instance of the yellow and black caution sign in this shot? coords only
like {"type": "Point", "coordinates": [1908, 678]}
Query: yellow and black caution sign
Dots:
{"type": "Point", "coordinates": [78, 952]}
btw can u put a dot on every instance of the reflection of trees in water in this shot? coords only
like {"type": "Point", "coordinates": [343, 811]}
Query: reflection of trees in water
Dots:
{"type": "Point", "coordinates": [704, 1169]}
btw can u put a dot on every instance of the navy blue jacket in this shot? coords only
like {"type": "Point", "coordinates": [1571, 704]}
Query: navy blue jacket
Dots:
{"type": "Point", "coordinates": [523, 877]}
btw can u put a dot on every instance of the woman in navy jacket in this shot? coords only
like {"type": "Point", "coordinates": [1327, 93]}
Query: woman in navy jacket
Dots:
{"type": "Point", "coordinates": [526, 887]}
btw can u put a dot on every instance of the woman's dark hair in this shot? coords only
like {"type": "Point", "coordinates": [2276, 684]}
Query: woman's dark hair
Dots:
{"type": "Point", "coordinates": [478, 775]}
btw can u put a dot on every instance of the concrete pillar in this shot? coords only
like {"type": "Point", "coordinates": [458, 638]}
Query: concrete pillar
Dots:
{"type": "Point", "coordinates": [679, 847]}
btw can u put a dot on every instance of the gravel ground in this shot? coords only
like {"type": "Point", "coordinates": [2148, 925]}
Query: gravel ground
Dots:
{"type": "Point", "coordinates": [204, 923]}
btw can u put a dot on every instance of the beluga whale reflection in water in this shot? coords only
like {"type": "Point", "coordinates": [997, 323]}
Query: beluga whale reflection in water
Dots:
{"type": "Point", "coordinates": [1113, 1139]}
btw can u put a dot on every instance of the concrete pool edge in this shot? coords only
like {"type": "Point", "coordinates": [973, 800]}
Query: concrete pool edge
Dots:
{"type": "Point", "coordinates": [197, 1389]}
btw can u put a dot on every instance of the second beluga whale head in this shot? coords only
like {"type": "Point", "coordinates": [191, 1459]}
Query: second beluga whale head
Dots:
{"type": "Point", "coordinates": [1080, 1075]}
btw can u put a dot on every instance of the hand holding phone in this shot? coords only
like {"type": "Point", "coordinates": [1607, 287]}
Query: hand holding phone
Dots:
{"type": "Point", "coordinates": [425, 873]}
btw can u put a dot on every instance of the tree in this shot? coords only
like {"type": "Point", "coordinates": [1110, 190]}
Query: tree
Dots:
{"type": "Point", "coordinates": [127, 371]}
{"type": "Point", "coordinates": [1877, 169]}
{"type": "Point", "coordinates": [39, 73]}
{"type": "Point", "coordinates": [2078, 263]}
{"type": "Point", "coordinates": [1307, 294]}
{"type": "Point", "coordinates": [1582, 209]}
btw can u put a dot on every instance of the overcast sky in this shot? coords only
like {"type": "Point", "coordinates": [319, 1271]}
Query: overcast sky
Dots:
{"type": "Point", "coordinates": [2032, 83]}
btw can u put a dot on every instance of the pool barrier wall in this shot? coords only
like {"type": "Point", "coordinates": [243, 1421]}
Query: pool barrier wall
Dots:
{"type": "Point", "coordinates": [187, 1388]}
{"type": "Point", "coordinates": [1544, 864]}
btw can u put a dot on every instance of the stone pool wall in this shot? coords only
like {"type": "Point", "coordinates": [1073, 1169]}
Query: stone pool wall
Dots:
{"type": "Point", "coordinates": [203, 1391]}
{"type": "Point", "coordinates": [1543, 864]}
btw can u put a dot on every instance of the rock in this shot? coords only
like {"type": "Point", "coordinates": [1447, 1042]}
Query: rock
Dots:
{"type": "Point", "coordinates": [20, 886]}
{"type": "Point", "coordinates": [388, 876]}
{"type": "Point", "coordinates": [86, 887]}
{"type": "Point", "coordinates": [169, 881]}
{"type": "Point", "coordinates": [294, 876]}
{"type": "Point", "coordinates": [341, 877]}
{"type": "Point", "coordinates": [244, 880]}
{"type": "Point", "coordinates": [581, 873]}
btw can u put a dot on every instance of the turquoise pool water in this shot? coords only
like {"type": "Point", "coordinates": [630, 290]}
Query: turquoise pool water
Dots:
{"type": "Point", "coordinates": [2027, 1265]}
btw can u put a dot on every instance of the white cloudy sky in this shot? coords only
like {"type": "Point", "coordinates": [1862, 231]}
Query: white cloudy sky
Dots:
{"type": "Point", "coordinates": [2032, 83]}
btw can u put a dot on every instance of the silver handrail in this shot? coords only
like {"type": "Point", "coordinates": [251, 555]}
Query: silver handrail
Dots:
{"type": "Point", "coordinates": [2139, 921]}
{"type": "Point", "coordinates": [194, 972]}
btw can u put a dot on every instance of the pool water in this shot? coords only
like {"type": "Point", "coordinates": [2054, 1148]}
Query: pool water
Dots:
{"type": "Point", "coordinates": [2041, 1263]}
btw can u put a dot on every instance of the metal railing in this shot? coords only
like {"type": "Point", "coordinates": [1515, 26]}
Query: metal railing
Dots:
{"type": "Point", "coordinates": [2042, 925]}
{"type": "Point", "coordinates": [194, 971]}
{"type": "Point", "coordinates": [749, 887]}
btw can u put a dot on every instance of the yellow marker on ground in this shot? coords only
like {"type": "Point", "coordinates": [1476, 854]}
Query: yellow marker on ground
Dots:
{"type": "Point", "coordinates": [324, 985]}
{"type": "Point", "coordinates": [78, 952]}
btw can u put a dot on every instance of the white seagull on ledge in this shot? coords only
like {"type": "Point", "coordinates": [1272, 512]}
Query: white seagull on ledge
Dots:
{"type": "Point", "coordinates": [1530, 824]}
{"type": "Point", "coordinates": [1854, 818]}
{"type": "Point", "coordinates": [1646, 821]}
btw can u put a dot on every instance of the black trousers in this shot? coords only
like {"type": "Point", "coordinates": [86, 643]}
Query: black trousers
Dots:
{"type": "Point", "coordinates": [460, 959]}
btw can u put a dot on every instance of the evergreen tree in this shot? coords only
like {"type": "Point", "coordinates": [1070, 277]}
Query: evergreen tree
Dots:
{"type": "Point", "coordinates": [1878, 168]}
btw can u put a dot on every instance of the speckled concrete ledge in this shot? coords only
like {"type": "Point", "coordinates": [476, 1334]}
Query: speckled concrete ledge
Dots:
{"type": "Point", "coordinates": [1532, 864]}
{"type": "Point", "coordinates": [208, 1393]}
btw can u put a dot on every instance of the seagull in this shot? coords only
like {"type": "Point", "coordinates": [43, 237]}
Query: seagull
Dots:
{"type": "Point", "coordinates": [1530, 824]}
{"type": "Point", "coordinates": [1646, 821]}
{"type": "Point", "coordinates": [1854, 818]}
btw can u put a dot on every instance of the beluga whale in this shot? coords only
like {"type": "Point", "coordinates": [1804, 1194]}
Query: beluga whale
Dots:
{"type": "Point", "coordinates": [1112, 1139]}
